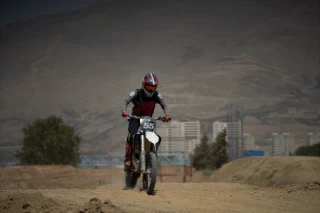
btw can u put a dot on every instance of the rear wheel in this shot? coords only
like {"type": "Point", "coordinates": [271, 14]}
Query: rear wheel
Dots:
{"type": "Point", "coordinates": [145, 182]}
{"type": "Point", "coordinates": [131, 179]}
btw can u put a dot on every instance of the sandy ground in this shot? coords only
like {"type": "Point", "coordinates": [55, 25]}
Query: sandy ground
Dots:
{"type": "Point", "coordinates": [66, 189]}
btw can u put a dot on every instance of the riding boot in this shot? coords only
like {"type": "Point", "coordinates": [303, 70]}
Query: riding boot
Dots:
{"type": "Point", "coordinates": [128, 156]}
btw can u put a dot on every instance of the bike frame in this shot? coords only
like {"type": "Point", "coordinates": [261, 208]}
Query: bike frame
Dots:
{"type": "Point", "coordinates": [147, 139]}
{"type": "Point", "coordinates": [144, 155]}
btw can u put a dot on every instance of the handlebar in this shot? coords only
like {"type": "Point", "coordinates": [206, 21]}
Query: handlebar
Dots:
{"type": "Point", "coordinates": [138, 117]}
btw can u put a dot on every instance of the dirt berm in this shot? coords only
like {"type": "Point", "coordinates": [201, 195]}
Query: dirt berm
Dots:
{"type": "Point", "coordinates": [56, 176]}
{"type": "Point", "coordinates": [270, 171]}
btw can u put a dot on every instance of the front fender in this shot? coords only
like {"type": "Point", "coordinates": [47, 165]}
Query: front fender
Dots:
{"type": "Point", "coordinates": [156, 141]}
{"type": "Point", "coordinates": [152, 137]}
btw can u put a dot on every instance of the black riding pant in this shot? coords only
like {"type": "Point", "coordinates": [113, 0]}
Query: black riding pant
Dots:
{"type": "Point", "coordinates": [133, 128]}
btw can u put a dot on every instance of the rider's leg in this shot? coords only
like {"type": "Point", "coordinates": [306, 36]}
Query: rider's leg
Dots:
{"type": "Point", "coordinates": [132, 129]}
{"type": "Point", "coordinates": [127, 160]}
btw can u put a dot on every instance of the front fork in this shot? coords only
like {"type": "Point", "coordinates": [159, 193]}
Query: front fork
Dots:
{"type": "Point", "coordinates": [142, 156]}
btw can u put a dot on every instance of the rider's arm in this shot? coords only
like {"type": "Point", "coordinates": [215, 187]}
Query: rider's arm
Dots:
{"type": "Point", "coordinates": [128, 99]}
{"type": "Point", "coordinates": [163, 104]}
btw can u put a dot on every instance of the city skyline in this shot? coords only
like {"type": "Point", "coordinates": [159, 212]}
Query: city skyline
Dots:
{"type": "Point", "coordinates": [282, 144]}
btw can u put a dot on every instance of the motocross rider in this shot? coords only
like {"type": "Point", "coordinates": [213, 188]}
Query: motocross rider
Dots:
{"type": "Point", "coordinates": [144, 101]}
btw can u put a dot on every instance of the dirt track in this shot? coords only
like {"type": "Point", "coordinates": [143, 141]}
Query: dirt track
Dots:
{"type": "Point", "coordinates": [170, 197]}
{"type": "Point", "coordinates": [66, 189]}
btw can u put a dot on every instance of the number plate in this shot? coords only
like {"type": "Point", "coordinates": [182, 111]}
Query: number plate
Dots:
{"type": "Point", "coordinates": [148, 126]}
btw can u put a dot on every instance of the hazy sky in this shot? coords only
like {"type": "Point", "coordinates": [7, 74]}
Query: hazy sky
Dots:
{"type": "Point", "coordinates": [16, 10]}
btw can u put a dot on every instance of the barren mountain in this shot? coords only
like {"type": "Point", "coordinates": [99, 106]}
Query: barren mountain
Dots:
{"type": "Point", "coordinates": [80, 65]}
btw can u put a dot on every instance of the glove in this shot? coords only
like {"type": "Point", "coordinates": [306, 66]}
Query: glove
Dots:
{"type": "Point", "coordinates": [168, 118]}
{"type": "Point", "coordinates": [125, 114]}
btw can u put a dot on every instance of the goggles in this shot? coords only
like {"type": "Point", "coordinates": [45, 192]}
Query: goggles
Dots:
{"type": "Point", "coordinates": [150, 87]}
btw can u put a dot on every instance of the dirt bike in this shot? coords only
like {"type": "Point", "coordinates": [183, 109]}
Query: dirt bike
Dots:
{"type": "Point", "coordinates": [144, 155]}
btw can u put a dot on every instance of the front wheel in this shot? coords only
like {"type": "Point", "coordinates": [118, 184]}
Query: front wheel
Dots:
{"type": "Point", "coordinates": [153, 173]}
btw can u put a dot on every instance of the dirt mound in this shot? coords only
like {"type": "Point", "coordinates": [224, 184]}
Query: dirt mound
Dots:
{"type": "Point", "coordinates": [55, 176]}
{"type": "Point", "coordinates": [270, 171]}
{"type": "Point", "coordinates": [36, 202]}
{"type": "Point", "coordinates": [30, 203]}
{"type": "Point", "coordinates": [96, 206]}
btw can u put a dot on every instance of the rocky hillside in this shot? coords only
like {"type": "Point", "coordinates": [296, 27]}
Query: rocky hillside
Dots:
{"type": "Point", "coordinates": [80, 65]}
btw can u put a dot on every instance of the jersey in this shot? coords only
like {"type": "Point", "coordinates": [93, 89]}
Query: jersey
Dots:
{"type": "Point", "coordinates": [143, 105]}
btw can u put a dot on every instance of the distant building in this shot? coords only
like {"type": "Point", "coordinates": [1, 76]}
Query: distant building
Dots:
{"type": "Point", "coordinates": [171, 137]}
{"type": "Point", "coordinates": [313, 138]}
{"type": "Point", "coordinates": [191, 130]}
{"type": "Point", "coordinates": [235, 139]}
{"type": "Point", "coordinates": [282, 144]}
{"type": "Point", "coordinates": [248, 141]}
{"type": "Point", "coordinates": [218, 127]}
{"type": "Point", "coordinates": [179, 137]}
{"type": "Point", "coordinates": [235, 131]}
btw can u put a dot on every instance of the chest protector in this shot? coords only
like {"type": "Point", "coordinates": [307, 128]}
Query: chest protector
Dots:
{"type": "Point", "coordinates": [143, 105]}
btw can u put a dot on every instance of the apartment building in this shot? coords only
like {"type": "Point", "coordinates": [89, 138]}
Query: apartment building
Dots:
{"type": "Point", "coordinates": [313, 138]}
{"type": "Point", "coordinates": [282, 144]}
{"type": "Point", "coordinates": [235, 139]}
{"type": "Point", "coordinates": [179, 136]}
{"type": "Point", "coordinates": [217, 127]}
{"type": "Point", "coordinates": [248, 141]}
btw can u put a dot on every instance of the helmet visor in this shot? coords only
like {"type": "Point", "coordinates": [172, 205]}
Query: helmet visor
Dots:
{"type": "Point", "coordinates": [150, 88]}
